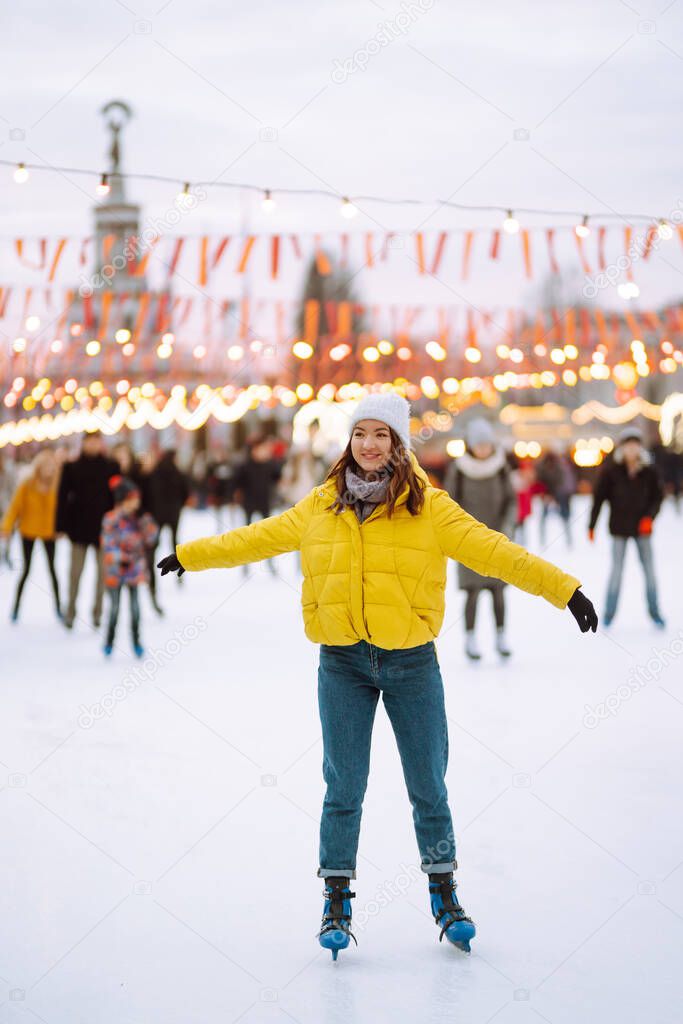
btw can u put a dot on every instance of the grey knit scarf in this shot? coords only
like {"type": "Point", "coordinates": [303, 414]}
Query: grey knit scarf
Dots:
{"type": "Point", "coordinates": [364, 495]}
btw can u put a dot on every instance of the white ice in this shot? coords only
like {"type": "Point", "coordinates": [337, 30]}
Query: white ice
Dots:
{"type": "Point", "coordinates": [159, 865]}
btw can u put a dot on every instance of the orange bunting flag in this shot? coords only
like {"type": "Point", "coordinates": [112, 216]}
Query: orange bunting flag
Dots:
{"type": "Point", "coordinates": [602, 327]}
{"type": "Point", "coordinates": [344, 257]}
{"type": "Point", "coordinates": [42, 249]}
{"type": "Point", "coordinates": [582, 253]}
{"type": "Point", "coordinates": [141, 268]}
{"type": "Point", "coordinates": [344, 320]}
{"type": "Point", "coordinates": [61, 244]}
{"type": "Point", "coordinates": [526, 251]}
{"type": "Point", "coordinates": [311, 320]}
{"type": "Point", "coordinates": [633, 324]}
{"type": "Point", "coordinates": [322, 261]}
{"type": "Point", "coordinates": [369, 255]}
{"type": "Point", "coordinates": [550, 238]}
{"type": "Point", "coordinates": [495, 245]}
{"type": "Point", "coordinates": [246, 253]}
{"type": "Point", "coordinates": [602, 263]}
{"type": "Point", "coordinates": [175, 256]}
{"type": "Point", "coordinates": [651, 235]}
{"type": "Point", "coordinates": [274, 256]}
{"type": "Point", "coordinates": [467, 254]}
{"type": "Point", "coordinates": [420, 251]}
{"type": "Point", "coordinates": [203, 250]}
{"type": "Point", "coordinates": [4, 299]}
{"type": "Point", "coordinates": [105, 310]}
{"type": "Point", "coordinates": [244, 318]}
{"type": "Point", "coordinates": [438, 253]}
{"type": "Point", "coordinates": [143, 306]}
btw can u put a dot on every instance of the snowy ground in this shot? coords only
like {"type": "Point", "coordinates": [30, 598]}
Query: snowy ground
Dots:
{"type": "Point", "coordinates": [159, 862]}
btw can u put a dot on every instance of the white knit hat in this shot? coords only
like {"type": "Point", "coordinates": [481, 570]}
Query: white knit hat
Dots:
{"type": "Point", "coordinates": [391, 409]}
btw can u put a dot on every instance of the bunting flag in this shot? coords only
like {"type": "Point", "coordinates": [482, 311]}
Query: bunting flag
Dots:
{"type": "Point", "coordinates": [438, 253]}
{"type": "Point", "coordinates": [274, 256]}
{"type": "Point", "coordinates": [246, 253]}
{"type": "Point", "coordinates": [197, 258]}
{"type": "Point", "coordinates": [550, 238]}
{"type": "Point", "coordinates": [466, 254]}
{"type": "Point", "coordinates": [526, 250]}
{"type": "Point", "coordinates": [420, 251]}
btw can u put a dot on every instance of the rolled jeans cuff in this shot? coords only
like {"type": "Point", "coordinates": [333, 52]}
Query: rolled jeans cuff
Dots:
{"type": "Point", "coordinates": [336, 872]}
{"type": "Point", "coordinates": [439, 869]}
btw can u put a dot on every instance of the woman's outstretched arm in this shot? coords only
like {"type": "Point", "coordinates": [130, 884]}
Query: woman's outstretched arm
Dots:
{"type": "Point", "coordinates": [489, 553]}
{"type": "Point", "coordinates": [264, 539]}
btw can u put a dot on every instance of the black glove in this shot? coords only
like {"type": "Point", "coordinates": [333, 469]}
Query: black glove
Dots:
{"type": "Point", "coordinates": [583, 611]}
{"type": "Point", "coordinates": [170, 564]}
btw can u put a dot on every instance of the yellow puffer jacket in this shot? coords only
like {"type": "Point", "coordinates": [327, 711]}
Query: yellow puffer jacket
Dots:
{"type": "Point", "coordinates": [384, 580]}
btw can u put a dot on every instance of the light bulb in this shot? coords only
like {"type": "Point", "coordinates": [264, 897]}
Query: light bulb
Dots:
{"type": "Point", "coordinates": [183, 196]}
{"type": "Point", "coordinates": [511, 224]}
{"type": "Point", "coordinates": [347, 209]}
{"type": "Point", "coordinates": [664, 230]}
{"type": "Point", "coordinates": [20, 174]}
{"type": "Point", "coordinates": [104, 188]}
{"type": "Point", "coordinates": [582, 229]}
{"type": "Point", "coordinates": [268, 203]}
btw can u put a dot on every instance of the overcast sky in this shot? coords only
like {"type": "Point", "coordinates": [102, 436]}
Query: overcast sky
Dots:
{"type": "Point", "coordinates": [434, 113]}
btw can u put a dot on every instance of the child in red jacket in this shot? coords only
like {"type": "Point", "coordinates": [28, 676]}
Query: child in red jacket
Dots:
{"type": "Point", "coordinates": [125, 538]}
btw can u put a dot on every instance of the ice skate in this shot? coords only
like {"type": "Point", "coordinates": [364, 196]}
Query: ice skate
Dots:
{"type": "Point", "coordinates": [335, 931]}
{"type": "Point", "coordinates": [448, 914]}
{"type": "Point", "coordinates": [501, 643]}
{"type": "Point", "coordinates": [471, 647]}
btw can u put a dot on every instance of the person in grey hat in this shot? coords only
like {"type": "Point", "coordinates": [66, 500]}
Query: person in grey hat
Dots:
{"type": "Point", "coordinates": [631, 487]}
{"type": "Point", "coordinates": [480, 482]}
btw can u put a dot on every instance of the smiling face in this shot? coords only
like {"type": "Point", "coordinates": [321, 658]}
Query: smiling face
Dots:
{"type": "Point", "coordinates": [371, 445]}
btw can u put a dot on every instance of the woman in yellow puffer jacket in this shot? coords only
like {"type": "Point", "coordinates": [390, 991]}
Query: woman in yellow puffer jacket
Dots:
{"type": "Point", "coordinates": [374, 542]}
{"type": "Point", "coordinates": [33, 509]}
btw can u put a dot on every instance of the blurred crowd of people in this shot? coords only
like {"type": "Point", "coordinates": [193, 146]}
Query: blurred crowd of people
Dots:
{"type": "Point", "coordinates": [113, 507]}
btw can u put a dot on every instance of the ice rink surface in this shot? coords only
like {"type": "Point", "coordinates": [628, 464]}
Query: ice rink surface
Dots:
{"type": "Point", "coordinates": [159, 861]}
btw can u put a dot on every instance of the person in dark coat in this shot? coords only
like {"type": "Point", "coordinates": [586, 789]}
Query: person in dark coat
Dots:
{"type": "Point", "coordinates": [84, 496]}
{"type": "Point", "coordinates": [555, 473]}
{"type": "Point", "coordinates": [632, 488]}
{"type": "Point", "coordinates": [480, 482]}
{"type": "Point", "coordinates": [166, 491]}
{"type": "Point", "coordinates": [254, 482]}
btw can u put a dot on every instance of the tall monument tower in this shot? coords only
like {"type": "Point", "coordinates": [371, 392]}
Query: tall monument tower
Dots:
{"type": "Point", "coordinates": [117, 221]}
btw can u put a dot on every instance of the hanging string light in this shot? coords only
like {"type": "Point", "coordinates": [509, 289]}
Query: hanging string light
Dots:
{"type": "Point", "coordinates": [184, 195]}
{"type": "Point", "coordinates": [664, 230]}
{"type": "Point", "coordinates": [20, 174]}
{"type": "Point", "coordinates": [104, 188]}
{"type": "Point", "coordinates": [347, 208]}
{"type": "Point", "coordinates": [582, 229]}
{"type": "Point", "coordinates": [511, 224]}
{"type": "Point", "coordinates": [268, 203]}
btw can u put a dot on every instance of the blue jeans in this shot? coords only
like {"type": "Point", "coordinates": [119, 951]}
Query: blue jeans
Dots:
{"type": "Point", "coordinates": [350, 680]}
{"type": "Point", "coordinates": [644, 545]}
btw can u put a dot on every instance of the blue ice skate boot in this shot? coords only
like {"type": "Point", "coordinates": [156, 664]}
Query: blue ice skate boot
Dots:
{"type": "Point", "coordinates": [335, 930]}
{"type": "Point", "coordinates": [448, 914]}
{"type": "Point", "coordinates": [138, 650]}
{"type": "Point", "coordinates": [108, 648]}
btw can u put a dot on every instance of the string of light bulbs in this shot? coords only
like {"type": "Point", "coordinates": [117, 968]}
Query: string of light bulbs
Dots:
{"type": "Point", "coordinates": [348, 204]}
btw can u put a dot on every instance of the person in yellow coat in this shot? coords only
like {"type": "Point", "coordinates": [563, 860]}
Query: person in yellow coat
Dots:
{"type": "Point", "coordinates": [33, 509]}
{"type": "Point", "coordinates": [374, 540]}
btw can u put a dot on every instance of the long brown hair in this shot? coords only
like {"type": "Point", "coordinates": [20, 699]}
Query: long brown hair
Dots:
{"type": "Point", "coordinates": [402, 474]}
